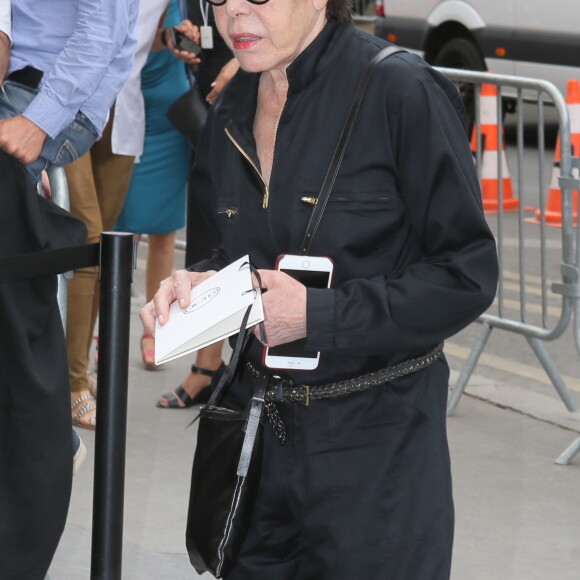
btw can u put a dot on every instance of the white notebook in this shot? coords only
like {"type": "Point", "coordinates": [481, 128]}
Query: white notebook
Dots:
{"type": "Point", "coordinates": [215, 312]}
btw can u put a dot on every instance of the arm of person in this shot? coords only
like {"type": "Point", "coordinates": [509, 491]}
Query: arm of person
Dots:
{"type": "Point", "coordinates": [18, 136]}
{"type": "Point", "coordinates": [5, 33]}
{"type": "Point", "coordinates": [4, 53]}
{"type": "Point", "coordinates": [453, 279]}
{"type": "Point", "coordinates": [177, 287]}
{"type": "Point", "coordinates": [163, 40]}
{"type": "Point", "coordinates": [101, 31]}
{"type": "Point", "coordinates": [225, 74]}
{"type": "Point", "coordinates": [160, 40]}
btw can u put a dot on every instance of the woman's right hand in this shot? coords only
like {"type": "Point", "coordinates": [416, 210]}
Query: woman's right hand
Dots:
{"type": "Point", "coordinates": [192, 32]}
{"type": "Point", "coordinates": [176, 287]}
{"type": "Point", "coordinates": [225, 74]}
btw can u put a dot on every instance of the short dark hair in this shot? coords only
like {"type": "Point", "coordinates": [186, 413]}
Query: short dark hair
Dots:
{"type": "Point", "coordinates": [339, 10]}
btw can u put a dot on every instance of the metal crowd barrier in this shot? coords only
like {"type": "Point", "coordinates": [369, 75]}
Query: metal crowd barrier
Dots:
{"type": "Point", "coordinates": [573, 290]}
{"type": "Point", "coordinates": [545, 324]}
{"type": "Point", "coordinates": [60, 196]}
{"type": "Point", "coordinates": [115, 257]}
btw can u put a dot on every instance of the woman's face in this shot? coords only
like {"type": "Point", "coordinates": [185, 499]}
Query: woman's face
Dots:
{"type": "Point", "coordinates": [269, 36]}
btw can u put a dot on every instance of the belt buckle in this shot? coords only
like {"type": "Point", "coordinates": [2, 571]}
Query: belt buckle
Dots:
{"type": "Point", "coordinates": [305, 394]}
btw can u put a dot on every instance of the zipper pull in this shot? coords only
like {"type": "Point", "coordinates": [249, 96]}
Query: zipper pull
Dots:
{"type": "Point", "coordinates": [230, 212]}
{"type": "Point", "coordinates": [310, 200]}
{"type": "Point", "coordinates": [266, 198]}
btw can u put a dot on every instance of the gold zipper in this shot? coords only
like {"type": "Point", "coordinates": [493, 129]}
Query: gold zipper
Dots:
{"type": "Point", "coordinates": [310, 200]}
{"type": "Point", "coordinates": [276, 129]}
{"type": "Point", "coordinates": [266, 197]}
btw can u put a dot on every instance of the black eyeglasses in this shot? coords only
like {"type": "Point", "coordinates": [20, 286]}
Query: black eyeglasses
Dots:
{"type": "Point", "coordinates": [222, 2]}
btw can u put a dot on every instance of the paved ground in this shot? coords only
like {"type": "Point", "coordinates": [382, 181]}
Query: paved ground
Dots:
{"type": "Point", "coordinates": [518, 513]}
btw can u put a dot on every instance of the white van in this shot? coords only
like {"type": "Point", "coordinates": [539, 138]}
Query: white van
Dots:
{"type": "Point", "coordinates": [532, 38]}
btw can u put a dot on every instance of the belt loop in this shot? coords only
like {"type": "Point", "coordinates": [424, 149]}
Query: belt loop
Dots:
{"type": "Point", "coordinates": [275, 391]}
{"type": "Point", "coordinates": [274, 394]}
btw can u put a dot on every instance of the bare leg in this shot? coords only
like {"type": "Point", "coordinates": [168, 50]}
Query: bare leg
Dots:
{"type": "Point", "coordinates": [159, 261]}
{"type": "Point", "coordinates": [159, 266]}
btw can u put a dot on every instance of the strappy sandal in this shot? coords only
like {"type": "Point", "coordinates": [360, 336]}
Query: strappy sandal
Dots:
{"type": "Point", "coordinates": [86, 404]}
{"type": "Point", "coordinates": [148, 354]}
{"type": "Point", "coordinates": [92, 379]}
{"type": "Point", "coordinates": [180, 394]}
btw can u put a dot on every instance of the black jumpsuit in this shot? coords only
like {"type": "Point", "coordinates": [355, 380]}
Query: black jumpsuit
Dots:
{"type": "Point", "coordinates": [362, 487]}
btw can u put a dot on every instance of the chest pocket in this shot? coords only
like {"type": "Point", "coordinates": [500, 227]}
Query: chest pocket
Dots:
{"type": "Point", "coordinates": [356, 222]}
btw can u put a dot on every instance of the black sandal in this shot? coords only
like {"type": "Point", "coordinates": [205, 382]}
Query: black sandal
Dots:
{"type": "Point", "coordinates": [180, 394]}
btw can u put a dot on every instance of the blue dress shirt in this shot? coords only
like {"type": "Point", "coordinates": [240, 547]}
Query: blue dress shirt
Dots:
{"type": "Point", "coordinates": [85, 49]}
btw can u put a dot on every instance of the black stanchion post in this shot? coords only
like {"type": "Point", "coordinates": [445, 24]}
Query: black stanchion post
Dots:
{"type": "Point", "coordinates": [116, 264]}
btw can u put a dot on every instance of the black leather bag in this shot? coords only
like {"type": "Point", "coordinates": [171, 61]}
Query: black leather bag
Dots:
{"type": "Point", "coordinates": [223, 492]}
{"type": "Point", "coordinates": [188, 114]}
{"type": "Point", "coordinates": [225, 475]}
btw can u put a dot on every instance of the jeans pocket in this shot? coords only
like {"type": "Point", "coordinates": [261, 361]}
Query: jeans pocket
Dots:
{"type": "Point", "coordinates": [66, 154]}
{"type": "Point", "coordinates": [70, 144]}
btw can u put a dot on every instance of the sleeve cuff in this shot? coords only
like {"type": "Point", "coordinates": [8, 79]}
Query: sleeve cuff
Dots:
{"type": "Point", "coordinates": [49, 115]}
{"type": "Point", "coordinates": [320, 308]}
{"type": "Point", "coordinates": [202, 266]}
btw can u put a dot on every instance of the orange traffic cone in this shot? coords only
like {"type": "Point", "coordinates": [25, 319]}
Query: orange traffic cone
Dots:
{"type": "Point", "coordinates": [553, 211]}
{"type": "Point", "coordinates": [491, 158]}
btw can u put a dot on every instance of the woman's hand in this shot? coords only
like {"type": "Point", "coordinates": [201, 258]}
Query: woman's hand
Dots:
{"type": "Point", "coordinates": [225, 74]}
{"type": "Point", "coordinates": [176, 287]}
{"type": "Point", "coordinates": [192, 32]}
{"type": "Point", "coordinates": [284, 301]}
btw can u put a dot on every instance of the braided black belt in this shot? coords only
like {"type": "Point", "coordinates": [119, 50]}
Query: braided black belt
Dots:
{"type": "Point", "coordinates": [284, 390]}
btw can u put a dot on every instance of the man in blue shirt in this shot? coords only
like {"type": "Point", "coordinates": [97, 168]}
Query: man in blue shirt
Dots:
{"type": "Point", "coordinates": [68, 61]}
{"type": "Point", "coordinates": [69, 58]}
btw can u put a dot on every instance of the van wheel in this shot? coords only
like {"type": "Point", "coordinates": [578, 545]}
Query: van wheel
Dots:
{"type": "Point", "coordinates": [462, 53]}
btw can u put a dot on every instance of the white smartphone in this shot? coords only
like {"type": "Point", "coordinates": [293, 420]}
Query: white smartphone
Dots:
{"type": "Point", "coordinates": [314, 272]}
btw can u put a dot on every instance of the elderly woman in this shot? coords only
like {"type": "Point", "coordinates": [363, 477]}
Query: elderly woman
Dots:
{"type": "Point", "coordinates": [362, 486]}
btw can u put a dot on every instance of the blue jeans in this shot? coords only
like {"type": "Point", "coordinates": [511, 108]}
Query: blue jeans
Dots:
{"type": "Point", "coordinates": [72, 142]}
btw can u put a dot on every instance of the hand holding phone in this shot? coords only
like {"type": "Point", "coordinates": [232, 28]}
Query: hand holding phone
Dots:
{"type": "Point", "coordinates": [182, 42]}
{"type": "Point", "coordinates": [313, 272]}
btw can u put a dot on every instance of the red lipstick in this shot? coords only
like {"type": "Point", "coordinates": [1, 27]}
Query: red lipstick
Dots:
{"type": "Point", "coordinates": [244, 41]}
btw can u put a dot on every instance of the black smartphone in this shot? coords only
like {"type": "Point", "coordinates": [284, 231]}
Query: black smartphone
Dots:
{"type": "Point", "coordinates": [182, 42]}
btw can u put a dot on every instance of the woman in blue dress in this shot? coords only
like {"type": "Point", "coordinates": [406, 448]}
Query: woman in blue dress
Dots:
{"type": "Point", "coordinates": [155, 201]}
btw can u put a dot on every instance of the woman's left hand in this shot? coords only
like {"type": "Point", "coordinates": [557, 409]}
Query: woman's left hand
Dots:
{"type": "Point", "coordinates": [284, 301]}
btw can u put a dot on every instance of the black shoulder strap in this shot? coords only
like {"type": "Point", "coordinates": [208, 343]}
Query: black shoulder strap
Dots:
{"type": "Point", "coordinates": [341, 148]}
